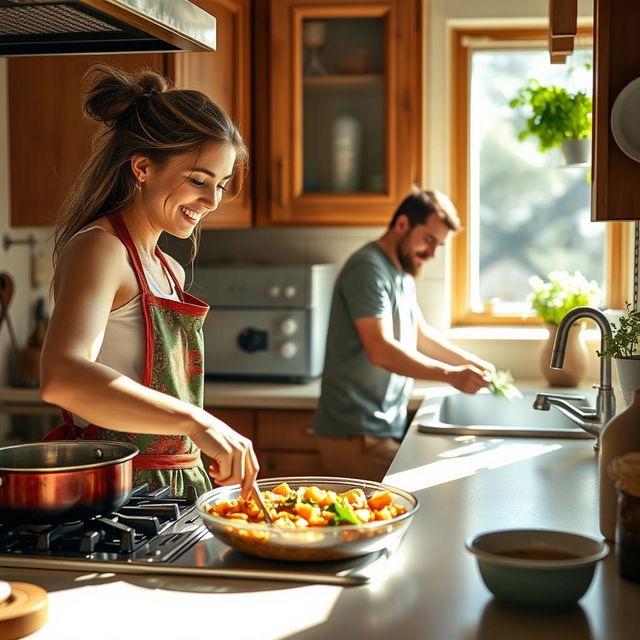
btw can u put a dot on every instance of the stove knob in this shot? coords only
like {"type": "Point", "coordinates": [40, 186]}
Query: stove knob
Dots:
{"type": "Point", "coordinates": [288, 326]}
{"type": "Point", "coordinates": [288, 350]}
{"type": "Point", "coordinates": [290, 291]}
{"type": "Point", "coordinates": [273, 291]}
{"type": "Point", "coordinates": [250, 340]}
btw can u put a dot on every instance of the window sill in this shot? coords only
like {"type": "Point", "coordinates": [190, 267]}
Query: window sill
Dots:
{"type": "Point", "coordinates": [506, 333]}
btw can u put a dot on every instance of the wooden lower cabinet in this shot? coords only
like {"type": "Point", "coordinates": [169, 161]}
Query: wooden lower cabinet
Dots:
{"type": "Point", "coordinates": [283, 439]}
{"type": "Point", "coordinates": [286, 444]}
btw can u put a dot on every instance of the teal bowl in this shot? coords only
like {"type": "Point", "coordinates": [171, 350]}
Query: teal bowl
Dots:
{"type": "Point", "coordinates": [536, 568]}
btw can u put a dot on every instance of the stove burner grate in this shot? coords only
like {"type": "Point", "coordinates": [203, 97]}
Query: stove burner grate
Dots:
{"type": "Point", "coordinates": [151, 523]}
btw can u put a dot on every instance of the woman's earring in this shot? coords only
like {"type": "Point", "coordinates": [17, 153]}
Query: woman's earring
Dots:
{"type": "Point", "coordinates": [139, 185]}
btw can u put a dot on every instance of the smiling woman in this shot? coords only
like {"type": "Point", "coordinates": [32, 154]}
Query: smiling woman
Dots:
{"type": "Point", "coordinates": [123, 354]}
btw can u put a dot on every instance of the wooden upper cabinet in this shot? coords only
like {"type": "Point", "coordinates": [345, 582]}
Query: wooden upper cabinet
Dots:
{"type": "Point", "coordinates": [48, 136]}
{"type": "Point", "coordinates": [225, 76]}
{"type": "Point", "coordinates": [615, 175]}
{"type": "Point", "coordinates": [338, 110]}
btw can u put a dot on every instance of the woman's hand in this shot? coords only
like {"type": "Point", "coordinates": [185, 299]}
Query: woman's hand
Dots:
{"type": "Point", "coordinates": [233, 458]}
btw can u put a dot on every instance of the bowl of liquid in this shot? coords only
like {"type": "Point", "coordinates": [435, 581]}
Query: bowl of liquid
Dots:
{"type": "Point", "coordinates": [536, 568]}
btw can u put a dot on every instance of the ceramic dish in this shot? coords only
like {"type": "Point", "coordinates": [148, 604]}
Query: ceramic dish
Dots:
{"type": "Point", "coordinates": [313, 543]}
{"type": "Point", "coordinates": [625, 120]}
{"type": "Point", "coordinates": [536, 568]}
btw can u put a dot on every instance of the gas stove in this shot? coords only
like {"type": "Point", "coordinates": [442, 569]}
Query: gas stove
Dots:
{"type": "Point", "coordinates": [151, 527]}
{"type": "Point", "coordinates": [156, 532]}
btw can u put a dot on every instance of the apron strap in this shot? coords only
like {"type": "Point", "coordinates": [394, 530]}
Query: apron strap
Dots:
{"type": "Point", "coordinates": [69, 430]}
{"type": "Point", "coordinates": [125, 237]}
{"type": "Point", "coordinates": [175, 461]}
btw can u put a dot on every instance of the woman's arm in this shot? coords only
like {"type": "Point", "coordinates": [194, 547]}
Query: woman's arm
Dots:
{"type": "Point", "coordinates": [92, 276]}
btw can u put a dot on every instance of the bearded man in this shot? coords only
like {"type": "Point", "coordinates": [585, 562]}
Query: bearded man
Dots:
{"type": "Point", "coordinates": [378, 342]}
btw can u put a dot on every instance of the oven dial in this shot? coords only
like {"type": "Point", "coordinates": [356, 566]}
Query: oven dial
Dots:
{"type": "Point", "coordinates": [290, 291]}
{"type": "Point", "coordinates": [288, 326]}
{"type": "Point", "coordinates": [250, 340]}
{"type": "Point", "coordinates": [288, 349]}
{"type": "Point", "coordinates": [273, 291]}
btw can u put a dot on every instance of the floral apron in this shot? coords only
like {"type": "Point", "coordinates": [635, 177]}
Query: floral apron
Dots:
{"type": "Point", "coordinates": [174, 364]}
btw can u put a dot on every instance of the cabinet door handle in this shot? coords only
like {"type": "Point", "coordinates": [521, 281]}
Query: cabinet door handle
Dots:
{"type": "Point", "coordinates": [309, 431]}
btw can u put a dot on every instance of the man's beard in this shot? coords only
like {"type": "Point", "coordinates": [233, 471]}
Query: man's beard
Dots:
{"type": "Point", "coordinates": [404, 258]}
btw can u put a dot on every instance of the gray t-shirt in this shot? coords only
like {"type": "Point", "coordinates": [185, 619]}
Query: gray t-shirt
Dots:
{"type": "Point", "coordinates": [358, 397]}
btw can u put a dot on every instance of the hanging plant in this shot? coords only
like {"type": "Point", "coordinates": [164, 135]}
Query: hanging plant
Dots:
{"type": "Point", "coordinates": [556, 114]}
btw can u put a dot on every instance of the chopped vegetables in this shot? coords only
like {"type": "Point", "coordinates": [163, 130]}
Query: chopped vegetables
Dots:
{"type": "Point", "coordinates": [501, 384]}
{"type": "Point", "coordinates": [311, 507]}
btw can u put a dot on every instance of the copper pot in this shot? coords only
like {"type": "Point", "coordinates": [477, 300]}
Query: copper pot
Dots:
{"type": "Point", "coordinates": [65, 480]}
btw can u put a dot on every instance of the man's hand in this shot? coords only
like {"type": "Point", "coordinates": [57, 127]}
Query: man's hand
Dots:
{"type": "Point", "coordinates": [467, 378]}
{"type": "Point", "coordinates": [487, 368]}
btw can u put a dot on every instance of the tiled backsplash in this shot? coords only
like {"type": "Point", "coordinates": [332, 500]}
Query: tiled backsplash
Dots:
{"type": "Point", "coordinates": [314, 245]}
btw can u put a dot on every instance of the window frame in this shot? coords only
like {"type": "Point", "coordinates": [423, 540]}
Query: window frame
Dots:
{"type": "Point", "coordinates": [617, 234]}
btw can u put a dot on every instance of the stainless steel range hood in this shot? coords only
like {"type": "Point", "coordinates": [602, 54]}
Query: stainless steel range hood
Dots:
{"type": "Point", "coordinates": [39, 27]}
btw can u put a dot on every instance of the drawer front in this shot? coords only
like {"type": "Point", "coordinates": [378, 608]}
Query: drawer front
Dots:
{"type": "Point", "coordinates": [274, 464]}
{"type": "Point", "coordinates": [240, 420]}
{"type": "Point", "coordinates": [290, 430]}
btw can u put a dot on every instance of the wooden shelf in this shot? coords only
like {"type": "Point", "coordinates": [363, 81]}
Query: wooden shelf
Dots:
{"type": "Point", "coordinates": [344, 80]}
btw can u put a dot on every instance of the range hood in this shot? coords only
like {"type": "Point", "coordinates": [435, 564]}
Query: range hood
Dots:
{"type": "Point", "coordinates": [39, 27]}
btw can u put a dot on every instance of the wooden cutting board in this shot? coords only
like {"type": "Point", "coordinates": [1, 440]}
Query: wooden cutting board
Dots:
{"type": "Point", "coordinates": [23, 609]}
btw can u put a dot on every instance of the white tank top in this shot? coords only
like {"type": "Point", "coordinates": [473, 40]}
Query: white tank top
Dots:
{"type": "Point", "coordinates": [123, 344]}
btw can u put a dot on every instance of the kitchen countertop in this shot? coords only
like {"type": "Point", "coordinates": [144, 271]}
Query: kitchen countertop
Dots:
{"type": "Point", "coordinates": [246, 395]}
{"type": "Point", "coordinates": [428, 588]}
{"type": "Point", "coordinates": [241, 395]}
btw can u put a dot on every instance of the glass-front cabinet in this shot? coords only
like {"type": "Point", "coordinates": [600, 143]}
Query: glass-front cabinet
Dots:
{"type": "Point", "coordinates": [343, 111]}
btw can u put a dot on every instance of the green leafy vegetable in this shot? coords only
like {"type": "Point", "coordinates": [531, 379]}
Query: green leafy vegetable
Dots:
{"type": "Point", "coordinates": [344, 513]}
{"type": "Point", "coordinates": [502, 385]}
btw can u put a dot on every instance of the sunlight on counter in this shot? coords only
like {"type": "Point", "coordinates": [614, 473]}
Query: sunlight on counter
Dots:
{"type": "Point", "coordinates": [264, 613]}
{"type": "Point", "coordinates": [466, 460]}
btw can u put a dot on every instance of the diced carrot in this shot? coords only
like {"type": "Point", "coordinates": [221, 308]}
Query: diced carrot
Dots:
{"type": "Point", "coordinates": [306, 510]}
{"type": "Point", "coordinates": [355, 497]}
{"type": "Point", "coordinates": [383, 514]}
{"type": "Point", "coordinates": [329, 498]}
{"type": "Point", "coordinates": [380, 499]}
{"type": "Point", "coordinates": [237, 516]}
{"type": "Point", "coordinates": [314, 493]}
{"type": "Point", "coordinates": [282, 489]}
{"type": "Point", "coordinates": [225, 506]}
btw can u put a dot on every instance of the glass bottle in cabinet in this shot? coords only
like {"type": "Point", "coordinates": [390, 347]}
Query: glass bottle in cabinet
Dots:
{"type": "Point", "coordinates": [343, 105]}
{"type": "Point", "coordinates": [343, 126]}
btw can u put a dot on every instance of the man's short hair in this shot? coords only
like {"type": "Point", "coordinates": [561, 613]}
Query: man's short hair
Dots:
{"type": "Point", "coordinates": [419, 205]}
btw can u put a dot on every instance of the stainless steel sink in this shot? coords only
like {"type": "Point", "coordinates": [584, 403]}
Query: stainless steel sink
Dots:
{"type": "Point", "coordinates": [486, 414]}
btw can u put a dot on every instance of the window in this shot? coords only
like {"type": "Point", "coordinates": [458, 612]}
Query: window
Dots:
{"type": "Point", "coordinates": [523, 212]}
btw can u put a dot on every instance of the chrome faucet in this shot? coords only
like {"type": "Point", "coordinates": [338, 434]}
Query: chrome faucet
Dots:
{"type": "Point", "coordinates": [592, 420]}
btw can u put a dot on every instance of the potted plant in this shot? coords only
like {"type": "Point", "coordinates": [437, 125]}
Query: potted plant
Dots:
{"type": "Point", "coordinates": [622, 347]}
{"type": "Point", "coordinates": [552, 300]}
{"type": "Point", "coordinates": [559, 118]}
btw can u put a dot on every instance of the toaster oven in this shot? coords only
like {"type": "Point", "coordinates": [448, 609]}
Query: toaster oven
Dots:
{"type": "Point", "coordinates": [267, 322]}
